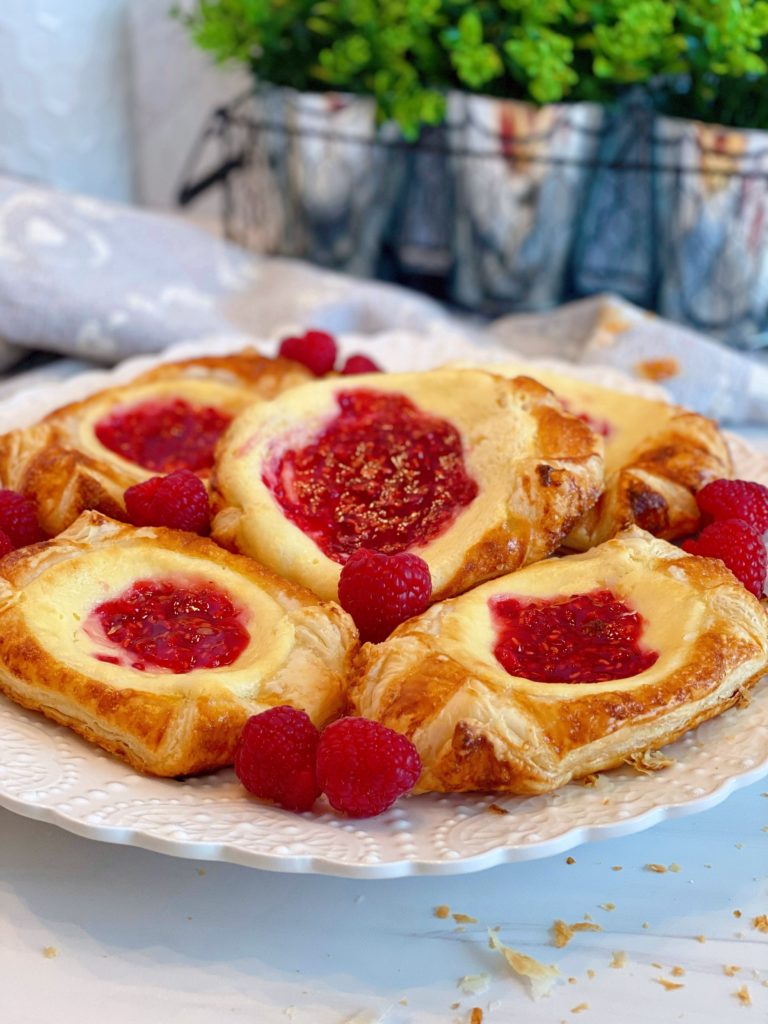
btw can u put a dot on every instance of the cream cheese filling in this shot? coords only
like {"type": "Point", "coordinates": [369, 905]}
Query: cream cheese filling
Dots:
{"type": "Point", "coordinates": [673, 613]}
{"type": "Point", "coordinates": [58, 603]}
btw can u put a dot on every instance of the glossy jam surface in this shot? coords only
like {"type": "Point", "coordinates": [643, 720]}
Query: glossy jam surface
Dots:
{"type": "Point", "coordinates": [587, 638]}
{"type": "Point", "coordinates": [382, 474]}
{"type": "Point", "coordinates": [164, 435]}
{"type": "Point", "coordinates": [161, 625]}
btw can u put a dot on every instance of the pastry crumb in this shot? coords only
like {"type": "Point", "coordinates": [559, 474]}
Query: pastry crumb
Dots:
{"type": "Point", "coordinates": [464, 919]}
{"type": "Point", "coordinates": [675, 867]}
{"type": "Point", "coordinates": [455, 1006]}
{"type": "Point", "coordinates": [476, 1016]}
{"type": "Point", "coordinates": [569, 860]}
{"type": "Point", "coordinates": [590, 780]}
{"type": "Point", "coordinates": [442, 911]}
{"type": "Point", "coordinates": [648, 761]}
{"type": "Point", "coordinates": [580, 1008]}
{"type": "Point", "coordinates": [542, 977]}
{"type": "Point", "coordinates": [729, 970]}
{"type": "Point", "coordinates": [607, 906]}
{"type": "Point", "coordinates": [700, 938]}
{"type": "Point", "coordinates": [496, 809]}
{"type": "Point", "coordinates": [646, 925]}
{"type": "Point", "coordinates": [562, 933]}
{"type": "Point", "coordinates": [50, 952]}
{"type": "Point", "coordinates": [474, 984]}
{"type": "Point", "coordinates": [677, 971]}
{"type": "Point", "coordinates": [742, 994]}
{"type": "Point", "coordinates": [201, 871]}
{"type": "Point", "coordinates": [737, 914]}
{"type": "Point", "coordinates": [572, 981]}
{"type": "Point", "coordinates": [403, 1001]}
{"type": "Point", "coordinates": [670, 986]}
{"type": "Point", "coordinates": [659, 869]}
{"type": "Point", "coordinates": [619, 959]}
{"type": "Point", "coordinates": [590, 973]}
{"type": "Point", "coordinates": [761, 923]}
{"type": "Point", "coordinates": [617, 867]}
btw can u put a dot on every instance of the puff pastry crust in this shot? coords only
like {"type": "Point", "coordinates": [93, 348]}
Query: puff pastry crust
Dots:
{"type": "Point", "coordinates": [63, 465]}
{"type": "Point", "coordinates": [298, 649]}
{"type": "Point", "coordinates": [657, 455]}
{"type": "Point", "coordinates": [477, 727]}
{"type": "Point", "coordinates": [537, 469]}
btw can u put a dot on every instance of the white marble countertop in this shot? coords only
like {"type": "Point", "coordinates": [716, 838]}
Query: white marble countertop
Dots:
{"type": "Point", "coordinates": [92, 932]}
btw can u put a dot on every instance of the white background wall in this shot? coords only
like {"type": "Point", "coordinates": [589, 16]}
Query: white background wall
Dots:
{"type": "Point", "coordinates": [103, 96]}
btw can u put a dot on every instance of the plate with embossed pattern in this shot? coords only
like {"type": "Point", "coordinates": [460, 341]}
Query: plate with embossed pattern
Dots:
{"type": "Point", "coordinates": [48, 773]}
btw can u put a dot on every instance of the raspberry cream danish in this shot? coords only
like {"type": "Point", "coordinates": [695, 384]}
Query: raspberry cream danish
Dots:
{"type": "Point", "coordinates": [476, 474]}
{"type": "Point", "coordinates": [84, 455]}
{"type": "Point", "coordinates": [567, 667]}
{"type": "Point", "coordinates": [157, 645]}
{"type": "Point", "coordinates": [657, 456]}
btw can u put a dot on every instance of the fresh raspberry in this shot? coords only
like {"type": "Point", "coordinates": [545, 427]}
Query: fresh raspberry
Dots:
{"type": "Point", "coordinates": [315, 349]}
{"type": "Point", "coordinates": [381, 591]}
{"type": "Point", "coordinates": [275, 757]}
{"type": "Point", "coordinates": [360, 364]}
{"type": "Point", "coordinates": [363, 767]}
{"type": "Point", "coordinates": [178, 500]}
{"type": "Point", "coordinates": [735, 499]}
{"type": "Point", "coordinates": [738, 545]}
{"type": "Point", "coordinates": [6, 544]}
{"type": "Point", "coordinates": [18, 519]}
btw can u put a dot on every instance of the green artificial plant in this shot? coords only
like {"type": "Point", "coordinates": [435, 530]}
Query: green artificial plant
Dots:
{"type": "Point", "coordinates": [699, 58]}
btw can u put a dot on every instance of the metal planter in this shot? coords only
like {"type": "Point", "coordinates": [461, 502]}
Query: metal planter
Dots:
{"type": "Point", "coordinates": [520, 174]}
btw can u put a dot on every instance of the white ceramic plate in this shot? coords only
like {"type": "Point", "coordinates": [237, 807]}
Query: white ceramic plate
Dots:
{"type": "Point", "coordinates": [47, 772]}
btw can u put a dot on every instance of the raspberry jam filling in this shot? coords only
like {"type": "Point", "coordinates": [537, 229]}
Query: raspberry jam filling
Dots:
{"type": "Point", "coordinates": [164, 435]}
{"type": "Point", "coordinates": [382, 474]}
{"type": "Point", "coordinates": [586, 638]}
{"type": "Point", "coordinates": [159, 624]}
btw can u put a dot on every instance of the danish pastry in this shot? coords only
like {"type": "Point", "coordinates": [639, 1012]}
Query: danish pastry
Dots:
{"type": "Point", "coordinates": [476, 474]}
{"type": "Point", "coordinates": [657, 456]}
{"type": "Point", "coordinates": [157, 645]}
{"type": "Point", "coordinates": [85, 455]}
{"type": "Point", "coordinates": [566, 667]}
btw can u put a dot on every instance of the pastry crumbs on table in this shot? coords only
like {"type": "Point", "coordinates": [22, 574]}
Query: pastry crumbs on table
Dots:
{"type": "Point", "coordinates": [619, 959]}
{"type": "Point", "coordinates": [670, 986]}
{"type": "Point", "coordinates": [590, 973]}
{"type": "Point", "coordinates": [674, 867]}
{"type": "Point", "coordinates": [562, 933]}
{"type": "Point", "coordinates": [729, 970]}
{"type": "Point", "coordinates": [49, 952]}
{"type": "Point", "coordinates": [737, 913]}
{"type": "Point", "coordinates": [442, 911]}
{"type": "Point", "coordinates": [476, 1017]}
{"type": "Point", "coordinates": [617, 867]}
{"type": "Point", "coordinates": [572, 981]}
{"type": "Point", "coordinates": [569, 860]}
{"type": "Point", "coordinates": [659, 869]}
{"type": "Point", "coordinates": [580, 1008]}
{"type": "Point", "coordinates": [645, 924]}
{"type": "Point", "coordinates": [464, 919]}
{"type": "Point", "coordinates": [677, 971]}
{"type": "Point", "coordinates": [542, 977]}
{"type": "Point", "coordinates": [201, 871]}
{"type": "Point", "coordinates": [742, 994]}
{"type": "Point", "coordinates": [455, 1006]}
{"type": "Point", "coordinates": [700, 938]}
{"type": "Point", "coordinates": [474, 984]}
{"type": "Point", "coordinates": [607, 906]}
{"type": "Point", "coordinates": [496, 809]}
{"type": "Point", "coordinates": [761, 923]}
